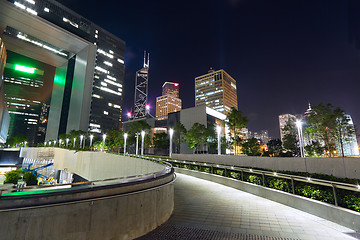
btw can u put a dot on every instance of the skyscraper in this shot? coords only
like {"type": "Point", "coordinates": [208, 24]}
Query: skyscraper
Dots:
{"type": "Point", "coordinates": [283, 119]}
{"type": "Point", "coordinates": [169, 102]}
{"type": "Point", "coordinates": [88, 61]}
{"type": "Point", "coordinates": [4, 114]}
{"type": "Point", "coordinates": [216, 89]}
{"type": "Point", "coordinates": [141, 108]}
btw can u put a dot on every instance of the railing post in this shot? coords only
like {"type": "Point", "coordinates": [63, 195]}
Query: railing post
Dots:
{"type": "Point", "coordinates": [242, 175]}
{"type": "Point", "coordinates": [334, 191]}
{"type": "Point", "coordinates": [263, 179]}
{"type": "Point", "coordinates": [292, 185]}
{"type": "Point", "coordinates": [225, 172]}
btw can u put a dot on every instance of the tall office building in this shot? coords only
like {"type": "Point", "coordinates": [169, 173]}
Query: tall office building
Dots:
{"type": "Point", "coordinates": [4, 114]}
{"type": "Point", "coordinates": [88, 62]}
{"type": "Point", "coordinates": [169, 102]}
{"type": "Point", "coordinates": [141, 108]}
{"type": "Point", "coordinates": [216, 89]}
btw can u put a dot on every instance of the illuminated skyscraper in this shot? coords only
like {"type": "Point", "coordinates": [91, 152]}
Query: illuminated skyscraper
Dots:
{"type": "Point", "coordinates": [141, 108]}
{"type": "Point", "coordinates": [88, 61]}
{"type": "Point", "coordinates": [217, 90]}
{"type": "Point", "coordinates": [169, 102]}
{"type": "Point", "coordinates": [283, 119]}
{"type": "Point", "coordinates": [4, 114]}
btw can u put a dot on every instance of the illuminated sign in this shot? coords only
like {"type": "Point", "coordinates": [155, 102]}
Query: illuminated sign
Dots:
{"type": "Point", "coordinates": [24, 69]}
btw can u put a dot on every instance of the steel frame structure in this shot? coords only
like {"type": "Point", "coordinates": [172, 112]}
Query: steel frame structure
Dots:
{"type": "Point", "coordinates": [141, 90]}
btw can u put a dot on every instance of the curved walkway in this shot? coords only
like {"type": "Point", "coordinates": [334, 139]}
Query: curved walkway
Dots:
{"type": "Point", "coordinates": [207, 210]}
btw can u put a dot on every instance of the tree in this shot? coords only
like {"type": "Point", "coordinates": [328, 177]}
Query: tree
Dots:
{"type": "Point", "coordinates": [179, 133]}
{"type": "Point", "coordinates": [251, 147]}
{"type": "Point", "coordinates": [235, 121]}
{"type": "Point", "coordinates": [330, 125]}
{"type": "Point", "coordinates": [314, 149]}
{"type": "Point", "coordinates": [161, 141]}
{"type": "Point", "coordinates": [211, 140]}
{"type": "Point", "coordinates": [115, 140]}
{"type": "Point", "coordinates": [15, 140]}
{"type": "Point", "coordinates": [196, 136]}
{"type": "Point", "coordinates": [274, 147]}
{"type": "Point", "coordinates": [290, 138]}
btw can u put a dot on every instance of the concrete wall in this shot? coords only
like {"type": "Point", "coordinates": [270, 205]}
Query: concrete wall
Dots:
{"type": "Point", "coordinates": [339, 167]}
{"type": "Point", "coordinates": [94, 165]}
{"type": "Point", "coordinates": [342, 216]}
{"type": "Point", "coordinates": [117, 217]}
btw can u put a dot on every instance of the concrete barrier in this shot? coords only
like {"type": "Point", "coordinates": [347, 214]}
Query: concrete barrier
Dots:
{"type": "Point", "coordinates": [348, 167]}
{"type": "Point", "coordinates": [342, 216]}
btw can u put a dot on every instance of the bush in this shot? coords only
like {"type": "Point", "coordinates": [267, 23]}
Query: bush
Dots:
{"type": "Point", "coordinates": [351, 202]}
{"type": "Point", "coordinates": [315, 192]}
{"type": "Point", "coordinates": [279, 184]}
{"type": "Point", "coordinates": [254, 179]}
{"type": "Point", "coordinates": [12, 177]}
{"type": "Point", "coordinates": [30, 178]}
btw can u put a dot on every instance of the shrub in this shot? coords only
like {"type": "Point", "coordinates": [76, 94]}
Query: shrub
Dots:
{"type": "Point", "coordinates": [30, 178]}
{"type": "Point", "coordinates": [315, 192]}
{"type": "Point", "coordinates": [279, 184]}
{"type": "Point", "coordinates": [235, 175]}
{"type": "Point", "coordinates": [254, 179]}
{"type": "Point", "coordinates": [12, 177]}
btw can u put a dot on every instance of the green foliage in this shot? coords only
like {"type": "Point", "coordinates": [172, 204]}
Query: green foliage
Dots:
{"type": "Point", "coordinates": [235, 175]}
{"type": "Point", "coordinates": [236, 121]}
{"type": "Point", "coordinates": [135, 128]}
{"type": "Point", "coordinates": [115, 140]}
{"type": "Point", "coordinates": [274, 147]}
{"type": "Point", "coordinates": [12, 177]}
{"type": "Point", "coordinates": [290, 139]}
{"type": "Point", "coordinates": [196, 136]}
{"type": "Point", "coordinates": [161, 141]}
{"type": "Point", "coordinates": [30, 178]}
{"type": "Point", "coordinates": [279, 184]}
{"type": "Point", "coordinates": [16, 140]}
{"type": "Point", "coordinates": [251, 147]}
{"type": "Point", "coordinates": [330, 125]}
{"type": "Point", "coordinates": [315, 192]}
{"type": "Point", "coordinates": [351, 202]}
{"type": "Point", "coordinates": [314, 149]}
{"type": "Point", "coordinates": [254, 179]}
{"type": "Point", "coordinates": [179, 133]}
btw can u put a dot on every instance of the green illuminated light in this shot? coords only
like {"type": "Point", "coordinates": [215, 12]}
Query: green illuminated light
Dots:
{"type": "Point", "coordinates": [24, 69]}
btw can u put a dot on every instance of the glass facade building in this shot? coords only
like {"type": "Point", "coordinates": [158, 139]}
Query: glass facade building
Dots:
{"type": "Point", "coordinates": [217, 90]}
{"type": "Point", "coordinates": [169, 102]}
{"type": "Point", "coordinates": [89, 63]}
{"type": "Point", "coordinates": [4, 114]}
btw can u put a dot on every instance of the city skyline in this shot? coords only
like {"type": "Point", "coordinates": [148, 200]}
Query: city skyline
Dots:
{"type": "Point", "coordinates": [283, 54]}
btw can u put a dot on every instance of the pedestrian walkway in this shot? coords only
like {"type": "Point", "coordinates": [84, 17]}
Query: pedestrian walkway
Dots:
{"type": "Point", "coordinates": [207, 210]}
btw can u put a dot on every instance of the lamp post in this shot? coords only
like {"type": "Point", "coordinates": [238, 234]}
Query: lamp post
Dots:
{"type": "Point", "coordinates": [44, 144]}
{"type": "Point", "coordinates": [74, 142]}
{"type": "Point", "coordinates": [218, 128]}
{"type": "Point", "coordinates": [67, 142]}
{"type": "Point", "coordinates": [142, 142]}
{"type": "Point", "coordinates": [25, 143]}
{"type": "Point", "coordinates": [171, 133]}
{"type": "Point", "coordinates": [125, 136]}
{"type": "Point", "coordinates": [103, 146]}
{"type": "Point", "coordinates": [137, 144]}
{"type": "Point", "coordinates": [54, 143]}
{"type": "Point", "coordinates": [60, 142]}
{"type": "Point", "coordinates": [91, 139]}
{"type": "Point", "coordinates": [81, 140]}
{"type": "Point", "coordinates": [301, 140]}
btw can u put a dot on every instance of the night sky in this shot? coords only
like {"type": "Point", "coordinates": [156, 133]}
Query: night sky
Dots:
{"type": "Point", "coordinates": [283, 54]}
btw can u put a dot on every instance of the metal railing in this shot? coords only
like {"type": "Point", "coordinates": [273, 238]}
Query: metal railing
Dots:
{"type": "Point", "coordinates": [90, 184]}
{"type": "Point", "coordinates": [227, 168]}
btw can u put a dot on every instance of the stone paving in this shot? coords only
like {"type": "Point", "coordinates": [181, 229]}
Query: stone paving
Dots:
{"type": "Point", "coordinates": [211, 207]}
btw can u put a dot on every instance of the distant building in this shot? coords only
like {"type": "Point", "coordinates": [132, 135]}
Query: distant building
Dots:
{"type": "Point", "coordinates": [171, 89]}
{"type": "Point", "coordinates": [141, 107]}
{"type": "Point", "coordinates": [263, 136]}
{"type": "Point", "coordinates": [169, 102]}
{"type": "Point", "coordinates": [217, 90]}
{"type": "Point", "coordinates": [283, 119]}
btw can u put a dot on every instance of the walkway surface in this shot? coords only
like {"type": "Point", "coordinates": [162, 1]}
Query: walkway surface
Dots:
{"type": "Point", "coordinates": [207, 210]}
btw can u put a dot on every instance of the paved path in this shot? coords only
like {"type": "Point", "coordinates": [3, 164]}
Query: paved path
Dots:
{"type": "Point", "coordinates": [207, 210]}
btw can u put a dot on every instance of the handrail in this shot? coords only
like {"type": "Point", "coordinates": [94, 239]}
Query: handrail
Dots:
{"type": "Point", "coordinates": [133, 178]}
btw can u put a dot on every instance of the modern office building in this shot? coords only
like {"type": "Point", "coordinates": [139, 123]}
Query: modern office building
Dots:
{"type": "Point", "coordinates": [169, 102]}
{"type": "Point", "coordinates": [217, 90]}
{"type": "Point", "coordinates": [4, 114]}
{"type": "Point", "coordinates": [88, 63]}
{"type": "Point", "coordinates": [171, 89]}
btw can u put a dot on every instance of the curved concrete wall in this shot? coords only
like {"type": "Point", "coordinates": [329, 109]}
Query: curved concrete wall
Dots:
{"type": "Point", "coordinates": [93, 165]}
{"type": "Point", "coordinates": [347, 167]}
{"type": "Point", "coordinates": [117, 217]}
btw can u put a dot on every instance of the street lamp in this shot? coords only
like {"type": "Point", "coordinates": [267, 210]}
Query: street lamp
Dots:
{"type": "Point", "coordinates": [301, 140]}
{"type": "Point", "coordinates": [54, 143]}
{"type": "Point", "coordinates": [60, 142]}
{"type": "Point", "coordinates": [103, 146]}
{"type": "Point", "coordinates": [218, 128]}
{"type": "Point", "coordinates": [91, 139]}
{"type": "Point", "coordinates": [171, 132]}
{"type": "Point", "coordinates": [25, 143]}
{"type": "Point", "coordinates": [125, 136]}
{"type": "Point", "coordinates": [74, 142]}
{"type": "Point", "coordinates": [67, 142]}
{"type": "Point", "coordinates": [44, 144]}
{"type": "Point", "coordinates": [142, 142]}
{"type": "Point", "coordinates": [81, 139]}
